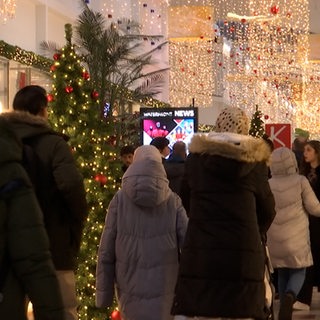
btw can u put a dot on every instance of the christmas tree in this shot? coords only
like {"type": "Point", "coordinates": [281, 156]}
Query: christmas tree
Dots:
{"type": "Point", "coordinates": [257, 125]}
{"type": "Point", "coordinates": [75, 111]}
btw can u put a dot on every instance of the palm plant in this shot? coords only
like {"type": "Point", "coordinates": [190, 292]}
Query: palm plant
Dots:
{"type": "Point", "coordinates": [114, 57]}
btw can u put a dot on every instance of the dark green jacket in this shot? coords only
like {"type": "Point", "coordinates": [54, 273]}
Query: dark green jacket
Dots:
{"type": "Point", "coordinates": [24, 245]}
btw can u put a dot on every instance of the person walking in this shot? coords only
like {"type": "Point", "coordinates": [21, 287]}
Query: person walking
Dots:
{"type": "Point", "coordinates": [222, 265]}
{"type": "Point", "coordinates": [162, 144]}
{"type": "Point", "coordinates": [288, 236]}
{"type": "Point", "coordinates": [139, 248]}
{"type": "Point", "coordinates": [174, 166]}
{"type": "Point", "coordinates": [126, 157]}
{"type": "Point", "coordinates": [60, 189]}
{"type": "Point", "coordinates": [310, 167]}
{"type": "Point", "coordinates": [26, 267]}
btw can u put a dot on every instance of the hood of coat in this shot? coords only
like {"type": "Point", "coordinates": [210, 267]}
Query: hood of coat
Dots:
{"type": "Point", "coordinates": [145, 183]}
{"type": "Point", "coordinates": [27, 125]}
{"type": "Point", "coordinates": [283, 162]}
{"type": "Point", "coordinates": [229, 154]}
{"type": "Point", "coordinates": [10, 154]}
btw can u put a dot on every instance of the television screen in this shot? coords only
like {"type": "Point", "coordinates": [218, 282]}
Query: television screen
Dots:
{"type": "Point", "coordinates": [176, 124]}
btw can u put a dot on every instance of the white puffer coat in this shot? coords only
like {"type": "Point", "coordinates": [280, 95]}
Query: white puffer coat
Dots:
{"type": "Point", "coordinates": [138, 253]}
{"type": "Point", "coordinates": [288, 236]}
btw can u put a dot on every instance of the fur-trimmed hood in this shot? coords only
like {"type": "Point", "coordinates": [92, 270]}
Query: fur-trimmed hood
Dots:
{"type": "Point", "coordinates": [27, 125]}
{"type": "Point", "coordinates": [229, 155]}
{"type": "Point", "coordinates": [231, 145]}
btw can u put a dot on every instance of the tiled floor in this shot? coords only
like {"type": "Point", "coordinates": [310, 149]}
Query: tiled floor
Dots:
{"type": "Point", "coordinates": [313, 314]}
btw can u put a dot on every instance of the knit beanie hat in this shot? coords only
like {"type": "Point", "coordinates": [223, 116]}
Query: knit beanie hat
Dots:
{"type": "Point", "coordinates": [147, 152]}
{"type": "Point", "coordinates": [234, 120]}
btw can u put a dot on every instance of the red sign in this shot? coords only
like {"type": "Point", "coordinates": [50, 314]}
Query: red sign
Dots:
{"type": "Point", "coordinates": [280, 134]}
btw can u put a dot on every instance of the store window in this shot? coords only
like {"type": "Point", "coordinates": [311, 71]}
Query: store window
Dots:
{"type": "Point", "coordinates": [14, 76]}
{"type": "Point", "coordinates": [4, 67]}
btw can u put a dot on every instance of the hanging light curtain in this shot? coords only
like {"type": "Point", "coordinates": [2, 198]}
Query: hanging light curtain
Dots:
{"type": "Point", "coordinates": [7, 10]}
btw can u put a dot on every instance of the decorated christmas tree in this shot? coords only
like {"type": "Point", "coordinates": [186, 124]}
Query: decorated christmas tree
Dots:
{"type": "Point", "coordinates": [257, 125]}
{"type": "Point", "coordinates": [75, 111]}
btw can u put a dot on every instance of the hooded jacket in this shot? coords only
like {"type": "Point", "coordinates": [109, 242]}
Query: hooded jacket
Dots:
{"type": "Point", "coordinates": [138, 252]}
{"type": "Point", "coordinates": [231, 205]}
{"type": "Point", "coordinates": [288, 236]}
{"type": "Point", "coordinates": [62, 195]}
{"type": "Point", "coordinates": [25, 258]}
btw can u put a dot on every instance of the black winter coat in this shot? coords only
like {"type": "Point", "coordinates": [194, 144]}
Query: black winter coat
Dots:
{"type": "Point", "coordinates": [25, 260]}
{"type": "Point", "coordinates": [61, 194]}
{"type": "Point", "coordinates": [174, 167]}
{"type": "Point", "coordinates": [223, 262]}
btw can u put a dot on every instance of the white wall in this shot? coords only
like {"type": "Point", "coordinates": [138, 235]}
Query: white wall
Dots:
{"type": "Point", "coordinates": [39, 20]}
{"type": "Point", "coordinates": [20, 31]}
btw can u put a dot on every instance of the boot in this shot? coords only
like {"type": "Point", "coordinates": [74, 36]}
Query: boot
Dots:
{"type": "Point", "coordinates": [286, 306]}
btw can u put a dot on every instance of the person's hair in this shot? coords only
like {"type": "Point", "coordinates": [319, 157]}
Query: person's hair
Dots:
{"type": "Point", "coordinates": [298, 145]}
{"type": "Point", "coordinates": [31, 99]}
{"type": "Point", "coordinates": [160, 143]}
{"type": "Point", "coordinates": [179, 148]}
{"type": "Point", "coordinates": [126, 150]}
{"type": "Point", "coordinates": [305, 166]}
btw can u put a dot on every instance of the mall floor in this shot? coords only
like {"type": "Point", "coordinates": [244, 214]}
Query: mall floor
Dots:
{"type": "Point", "coordinates": [314, 312]}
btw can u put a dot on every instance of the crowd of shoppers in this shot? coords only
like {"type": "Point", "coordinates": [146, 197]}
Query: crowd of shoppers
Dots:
{"type": "Point", "coordinates": [185, 236]}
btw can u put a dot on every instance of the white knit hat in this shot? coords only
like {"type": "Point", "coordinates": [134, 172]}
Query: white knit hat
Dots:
{"type": "Point", "coordinates": [147, 152]}
{"type": "Point", "coordinates": [234, 120]}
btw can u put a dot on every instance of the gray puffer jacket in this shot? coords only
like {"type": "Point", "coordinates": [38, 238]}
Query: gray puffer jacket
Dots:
{"type": "Point", "coordinates": [288, 236]}
{"type": "Point", "coordinates": [138, 253]}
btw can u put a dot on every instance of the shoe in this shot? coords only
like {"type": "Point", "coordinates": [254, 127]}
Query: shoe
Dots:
{"type": "Point", "coordinates": [301, 306]}
{"type": "Point", "coordinates": [286, 304]}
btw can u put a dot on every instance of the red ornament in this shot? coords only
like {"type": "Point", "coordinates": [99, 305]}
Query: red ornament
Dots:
{"type": "Point", "coordinates": [274, 9]}
{"type": "Point", "coordinates": [115, 315]}
{"type": "Point", "coordinates": [85, 75]}
{"type": "Point", "coordinates": [102, 179]}
{"type": "Point", "coordinates": [266, 117]}
{"type": "Point", "coordinates": [69, 89]}
{"type": "Point", "coordinates": [94, 94]}
{"type": "Point", "coordinates": [53, 68]}
{"type": "Point", "coordinates": [57, 56]}
{"type": "Point", "coordinates": [50, 97]}
{"type": "Point", "coordinates": [243, 20]}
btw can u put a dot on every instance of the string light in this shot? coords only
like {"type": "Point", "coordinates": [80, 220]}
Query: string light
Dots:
{"type": "Point", "coordinates": [191, 53]}
{"type": "Point", "coordinates": [267, 64]}
{"type": "Point", "coordinates": [7, 10]}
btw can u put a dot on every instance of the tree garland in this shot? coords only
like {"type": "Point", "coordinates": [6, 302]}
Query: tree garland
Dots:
{"type": "Point", "coordinates": [25, 57]}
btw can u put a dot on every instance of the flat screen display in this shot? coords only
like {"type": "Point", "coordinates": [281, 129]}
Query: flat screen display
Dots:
{"type": "Point", "coordinates": [176, 124]}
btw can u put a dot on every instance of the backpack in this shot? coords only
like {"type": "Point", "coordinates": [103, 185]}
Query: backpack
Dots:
{"type": "Point", "coordinates": [5, 192]}
{"type": "Point", "coordinates": [31, 162]}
